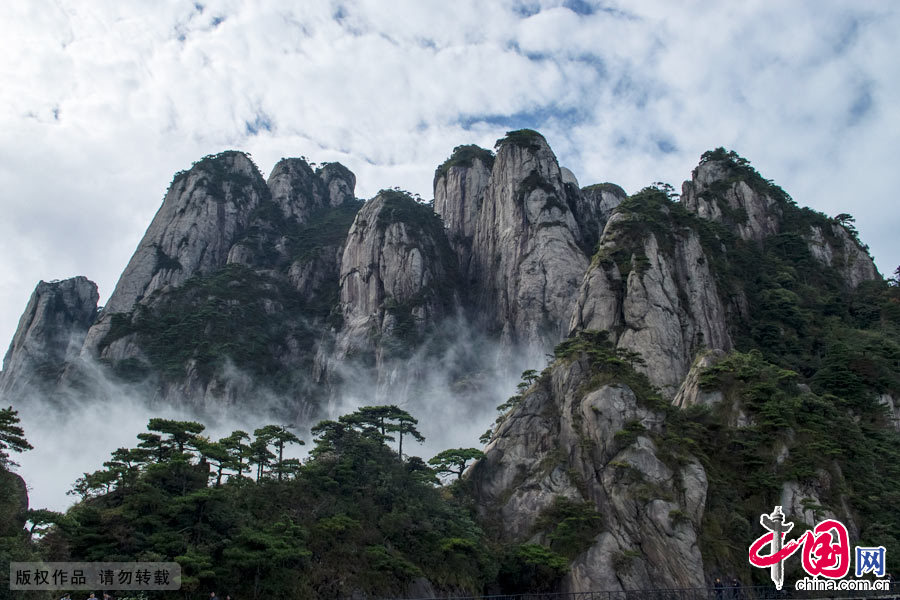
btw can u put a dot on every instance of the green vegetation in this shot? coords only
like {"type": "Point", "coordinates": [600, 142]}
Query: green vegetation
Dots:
{"type": "Point", "coordinates": [324, 230]}
{"type": "Point", "coordinates": [222, 181]}
{"type": "Point", "coordinates": [400, 207]}
{"type": "Point", "coordinates": [226, 317]}
{"type": "Point", "coordinates": [530, 568]}
{"type": "Point", "coordinates": [570, 526]}
{"type": "Point", "coordinates": [14, 539]}
{"type": "Point", "coordinates": [606, 186]}
{"type": "Point", "coordinates": [12, 436]}
{"type": "Point", "coordinates": [357, 516]}
{"type": "Point", "coordinates": [455, 461]}
{"type": "Point", "coordinates": [463, 156]}
{"type": "Point", "coordinates": [793, 435]}
{"type": "Point", "coordinates": [505, 409]}
{"type": "Point", "coordinates": [740, 169]}
{"type": "Point", "coordinates": [425, 230]}
{"type": "Point", "coordinates": [338, 169]}
{"type": "Point", "coordinates": [651, 211]}
{"type": "Point", "coordinates": [610, 365]}
{"type": "Point", "coordinates": [802, 388]}
{"type": "Point", "coordinates": [524, 138]}
{"type": "Point", "coordinates": [211, 320]}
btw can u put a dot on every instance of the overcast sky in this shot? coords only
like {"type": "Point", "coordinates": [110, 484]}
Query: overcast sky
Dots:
{"type": "Point", "coordinates": [102, 101]}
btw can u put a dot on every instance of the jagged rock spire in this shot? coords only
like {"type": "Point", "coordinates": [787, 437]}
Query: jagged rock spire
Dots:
{"type": "Point", "coordinates": [50, 333]}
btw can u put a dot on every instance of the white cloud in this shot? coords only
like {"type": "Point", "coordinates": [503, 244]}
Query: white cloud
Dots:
{"type": "Point", "coordinates": [103, 101]}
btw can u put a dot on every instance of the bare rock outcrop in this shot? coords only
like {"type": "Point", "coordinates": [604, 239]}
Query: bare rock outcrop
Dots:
{"type": "Point", "coordinates": [832, 245]}
{"type": "Point", "coordinates": [398, 276]}
{"type": "Point", "coordinates": [299, 191]}
{"type": "Point", "coordinates": [653, 290]}
{"type": "Point", "coordinates": [691, 392]}
{"type": "Point", "coordinates": [725, 189]}
{"type": "Point", "coordinates": [592, 208]}
{"type": "Point", "coordinates": [527, 260]}
{"type": "Point", "coordinates": [50, 333]}
{"type": "Point", "coordinates": [719, 191]}
{"type": "Point", "coordinates": [239, 276]}
{"type": "Point", "coordinates": [597, 446]}
{"type": "Point", "coordinates": [459, 186]}
{"type": "Point", "coordinates": [206, 209]}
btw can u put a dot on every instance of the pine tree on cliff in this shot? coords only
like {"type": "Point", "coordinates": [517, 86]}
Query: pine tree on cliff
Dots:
{"type": "Point", "coordinates": [12, 436]}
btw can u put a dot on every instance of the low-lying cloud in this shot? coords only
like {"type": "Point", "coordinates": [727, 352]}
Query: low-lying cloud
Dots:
{"type": "Point", "coordinates": [452, 384]}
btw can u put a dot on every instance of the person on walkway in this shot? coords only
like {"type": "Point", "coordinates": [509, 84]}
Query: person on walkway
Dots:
{"type": "Point", "coordinates": [735, 589]}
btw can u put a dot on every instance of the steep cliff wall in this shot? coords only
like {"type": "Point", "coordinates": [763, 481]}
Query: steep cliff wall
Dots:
{"type": "Point", "coordinates": [399, 279]}
{"type": "Point", "coordinates": [204, 212]}
{"type": "Point", "coordinates": [230, 292]}
{"type": "Point", "coordinates": [651, 285]}
{"type": "Point", "coordinates": [50, 333]}
{"type": "Point", "coordinates": [526, 260]}
{"type": "Point", "coordinates": [582, 436]}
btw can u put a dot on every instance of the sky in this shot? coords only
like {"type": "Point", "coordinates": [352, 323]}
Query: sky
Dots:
{"type": "Point", "coordinates": [102, 101]}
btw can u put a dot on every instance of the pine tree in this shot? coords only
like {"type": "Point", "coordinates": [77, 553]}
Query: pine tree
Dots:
{"type": "Point", "coordinates": [12, 436]}
{"type": "Point", "coordinates": [455, 460]}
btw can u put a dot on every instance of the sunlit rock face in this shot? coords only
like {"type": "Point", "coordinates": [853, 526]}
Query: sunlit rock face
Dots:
{"type": "Point", "coordinates": [205, 211]}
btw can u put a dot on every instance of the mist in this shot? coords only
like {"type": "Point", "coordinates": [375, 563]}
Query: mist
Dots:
{"type": "Point", "coordinates": [451, 382]}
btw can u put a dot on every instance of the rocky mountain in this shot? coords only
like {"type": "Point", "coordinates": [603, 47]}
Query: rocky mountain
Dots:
{"type": "Point", "coordinates": [574, 442]}
{"type": "Point", "coordinates": [701, 346]}
{"type": "Point", "coordinates": [714, 350]}
{"type": "Point", "coordinates": [50, 334]}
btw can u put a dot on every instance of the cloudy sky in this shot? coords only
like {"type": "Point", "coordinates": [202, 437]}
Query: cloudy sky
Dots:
{"type": "Point", "coordinates": [101, 101]}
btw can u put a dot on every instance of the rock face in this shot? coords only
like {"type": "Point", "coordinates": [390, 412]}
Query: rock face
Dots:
{"type": "Point", "coordinates": [592, 209]}
{"type": "Point", "coordinates": [718, 193]}
{"type": "Point", "coordinates": [514, 245]}
{"type": "Point", "coordinates": [522, 231]}
{"type": "Point", "coordinates": [459, 187]}
{"type": "Point", "coordinates": [527, 260]}
{"type": "Point", "coordinates": [49, 334]}
{"type": "Point", "coordinates": [654, 292]}
{"type": "Point", "coordinates": [596, 445]}
{"type": "Point", "coordinates": [299, 191]}
{"type": "Point", "coordinates": [690, 392]}
{"type": "Point", "coordinates": [204, 212]}
{"type": "Point", "coordinates": [398, 276]}
{"type": "Point", "coordinates": [227, 295]}
{"type": "Point", "coordinates": [892, 409]}
{"type": "Point", "coordinates": [833, 245]}
{"type": "Point", "coordinates": [13, 504]}
{"type": "Point", "coordinates": [728, 191]}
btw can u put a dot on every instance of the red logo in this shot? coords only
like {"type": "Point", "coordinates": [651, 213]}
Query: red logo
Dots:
{"type": "Point", "coordinates": [826, 548]}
